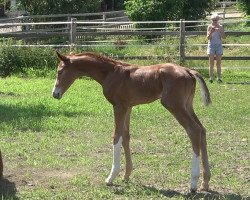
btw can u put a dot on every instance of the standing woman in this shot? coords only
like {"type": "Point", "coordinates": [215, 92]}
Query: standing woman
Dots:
{"type": "Point", "coordinates": [215, 33]}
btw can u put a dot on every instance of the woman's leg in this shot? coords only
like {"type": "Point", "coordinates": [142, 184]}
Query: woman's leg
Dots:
{"type": "Point", "coordinates": [211, 67]}
{"type": "Point", "coordinates": [218, 64]}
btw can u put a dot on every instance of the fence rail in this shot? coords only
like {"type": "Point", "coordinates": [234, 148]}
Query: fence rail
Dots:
{"type": "Point", "coordinates": [104, 16]}
{"type": "Point", "coordinates": [76, 29]}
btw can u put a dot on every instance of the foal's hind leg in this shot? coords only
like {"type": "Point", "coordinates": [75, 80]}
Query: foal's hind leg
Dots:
{"type": "Point", "coordinates": [204, 155]}
{"type": "Point", "coordinates": [178, 109]}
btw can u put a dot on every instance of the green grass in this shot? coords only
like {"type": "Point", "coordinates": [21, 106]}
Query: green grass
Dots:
{"type": "Point", "coordinates": [62, 149]}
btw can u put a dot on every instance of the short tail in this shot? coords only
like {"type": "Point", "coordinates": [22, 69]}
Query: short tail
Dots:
{"type": "Point", "coordinates": [204, 90]}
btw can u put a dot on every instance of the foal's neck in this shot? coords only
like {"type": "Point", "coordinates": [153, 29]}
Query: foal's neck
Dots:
{"type": "Point", "coordinates": [100, 70]}
{"type": "Point", "coordinates": [97, 66]}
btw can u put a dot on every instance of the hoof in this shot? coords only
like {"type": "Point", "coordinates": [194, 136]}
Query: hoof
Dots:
{"type": "Point", "coordinates": [193, 191]}
{"type": "Point", "coordinates": [125, 180]}
{"type": "Point", "coordinates": [205, 187]}
{"type": "Point", "coordinates": [108, 183]}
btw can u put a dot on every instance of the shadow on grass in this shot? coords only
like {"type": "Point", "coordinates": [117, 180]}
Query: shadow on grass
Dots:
{"type": "Point", "coordinates": [7, 189]}
{"type": "Point", "coordinates": [130, 188]}
{"type": "Point", "coordinates": [238, 83]}
{"type": "Point", "coordinates": [30, 117]}
{"type": "Point", "coordinates": [211, 195]}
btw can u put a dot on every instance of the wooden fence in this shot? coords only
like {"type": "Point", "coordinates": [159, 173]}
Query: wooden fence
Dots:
{"type": "Point", "coordinates": [101, 16]}
{"type": "Point", "coordinates": [78, 28]}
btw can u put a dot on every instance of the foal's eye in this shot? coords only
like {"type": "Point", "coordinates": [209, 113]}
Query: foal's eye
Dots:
{"type": "Point", "coordinates": [59, 72]}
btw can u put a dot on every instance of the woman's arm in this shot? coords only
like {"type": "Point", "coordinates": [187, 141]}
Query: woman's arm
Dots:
{"type": "Point", "coordinates": [210, 30]}
{"type": "Point", "coordinates": [222, 32]}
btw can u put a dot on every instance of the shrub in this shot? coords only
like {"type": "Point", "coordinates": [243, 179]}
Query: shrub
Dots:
{"type": "Point", "coordinates": [19, 59]}
{"type": "Point", "coordinates": [244, 5]}
{"type": "Point", "coordinates": [150, 10]}
{"type": "Point", "coordinates": [43, 7]}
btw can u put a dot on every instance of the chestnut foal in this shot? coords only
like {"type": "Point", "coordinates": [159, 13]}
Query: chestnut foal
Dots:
{"type": "Point", "coordinates": [126, 85]}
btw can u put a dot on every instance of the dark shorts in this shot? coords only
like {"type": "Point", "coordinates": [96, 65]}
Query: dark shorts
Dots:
{"type": "Point", "coordinates": [214, 49]}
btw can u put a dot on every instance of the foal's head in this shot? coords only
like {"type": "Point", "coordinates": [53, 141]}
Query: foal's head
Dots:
{"type": "Point", "coordinates": [67, 73]}
{"type": "Point", "coordinates": [85, 64]}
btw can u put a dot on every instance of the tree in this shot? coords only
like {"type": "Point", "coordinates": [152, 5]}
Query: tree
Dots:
{"type": "Point", "coordinates": [145, 10]}
{"type": "Point", "coordinates": [244, 5]}
{"type": "Point", "coordinates": [112, 5]}
{"type": "Point", "coordinates": [43, 7]}
{"type": "Point", "coordinates": [196, 9]}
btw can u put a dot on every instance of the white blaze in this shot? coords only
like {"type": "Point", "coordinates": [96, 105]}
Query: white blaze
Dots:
{"type": "Point", "coordinates": [56, 90]}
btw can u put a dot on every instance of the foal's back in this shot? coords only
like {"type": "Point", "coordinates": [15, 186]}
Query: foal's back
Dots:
{"type": "Point", "coordinates": [138, 85]}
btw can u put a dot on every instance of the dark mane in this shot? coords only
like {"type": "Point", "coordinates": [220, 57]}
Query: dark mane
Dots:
{"type": "Point", "coordinates": [103, 58]}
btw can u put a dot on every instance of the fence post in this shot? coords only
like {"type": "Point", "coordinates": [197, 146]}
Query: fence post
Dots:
{"type": "Point", "coordinates": [72, 37]}
{"type": "Point", "coordinates": [104, 17]}
{"type": "Point", "coordinates": [25, 19]}
{"type": "Point", "coordinates": [224, 11]}
{"type": "Point", "coordinates": [68, 25]}
{"type": "Point", "coordinates": [182, 41]}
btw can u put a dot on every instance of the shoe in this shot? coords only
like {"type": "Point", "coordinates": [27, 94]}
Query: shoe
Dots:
{"type": "Point", "coordinates": [219, 80]}
{"type": "Point", "coordinates": [211, 80]}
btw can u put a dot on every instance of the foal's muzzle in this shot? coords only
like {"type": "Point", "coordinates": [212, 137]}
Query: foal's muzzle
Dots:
{"type": "Point", "coordinates": [56, 95]}
{"type": "Point", "coordinates": [56, 92]}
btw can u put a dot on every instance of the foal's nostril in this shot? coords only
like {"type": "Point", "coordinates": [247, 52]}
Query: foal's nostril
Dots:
{"type": "Point", "coordinates": [56, 95]}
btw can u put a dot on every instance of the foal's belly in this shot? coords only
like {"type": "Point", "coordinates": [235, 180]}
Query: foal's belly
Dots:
{"type": "Point", "coordinates": [143, 99]}
{"type": "Point", "coordinates": [141, 94]}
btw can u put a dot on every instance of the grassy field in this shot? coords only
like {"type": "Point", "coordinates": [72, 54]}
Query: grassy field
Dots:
{"type": "Point", "coordinates": [62, 149]}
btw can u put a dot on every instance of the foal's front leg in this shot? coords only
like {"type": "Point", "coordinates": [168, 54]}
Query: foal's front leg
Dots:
{"type": "Point", "coordinates": [120, 115]}
{"type": "Point", "coordinates": [116, 162]}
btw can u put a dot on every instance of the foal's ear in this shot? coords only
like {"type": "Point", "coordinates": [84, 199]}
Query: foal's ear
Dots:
{"type": "Point", "coordinates": [62, 57]}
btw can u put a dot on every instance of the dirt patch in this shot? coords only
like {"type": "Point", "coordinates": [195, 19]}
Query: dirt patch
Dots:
{"type": "Point", "coordinates": [15, 179]}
